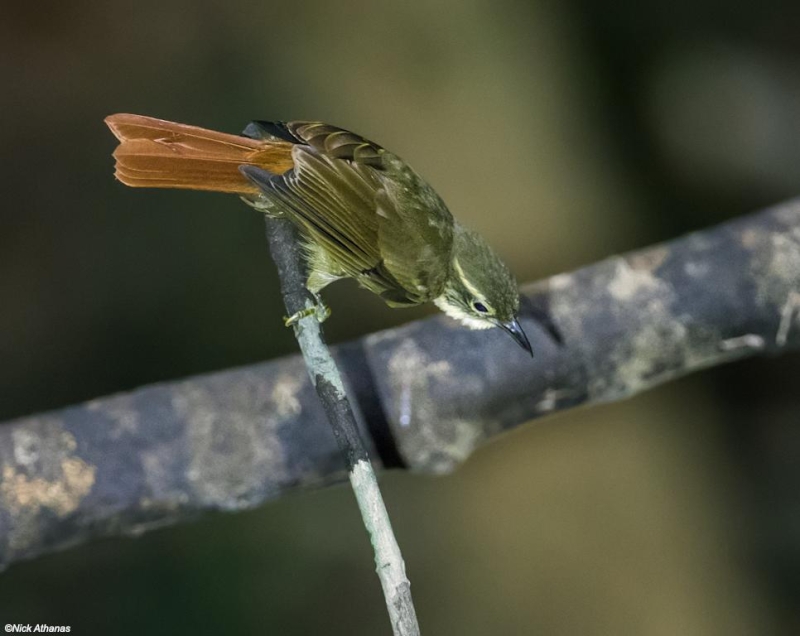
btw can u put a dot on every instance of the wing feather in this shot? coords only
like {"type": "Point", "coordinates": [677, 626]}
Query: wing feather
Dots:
{"type": "Point", "coordinates": [376, 219]}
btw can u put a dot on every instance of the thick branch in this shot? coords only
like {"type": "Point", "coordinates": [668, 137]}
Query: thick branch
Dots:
{"type": "Point", "coordinates": [431, 391]}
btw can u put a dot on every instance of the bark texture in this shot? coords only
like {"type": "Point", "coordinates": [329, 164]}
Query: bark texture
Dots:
{"type": "Point", "coordinates": [431, 391]}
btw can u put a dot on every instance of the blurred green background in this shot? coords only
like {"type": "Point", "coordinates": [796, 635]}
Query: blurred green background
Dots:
{"type": "Point", "coordinates": [564, 132]}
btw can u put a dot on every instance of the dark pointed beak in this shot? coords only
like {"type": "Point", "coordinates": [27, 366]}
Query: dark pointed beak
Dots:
{"type": "Point", "coordinates": [515, 329]}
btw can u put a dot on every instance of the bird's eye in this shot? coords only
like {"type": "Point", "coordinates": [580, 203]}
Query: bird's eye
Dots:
{"type": "Point", "coordinates": [480, 307]}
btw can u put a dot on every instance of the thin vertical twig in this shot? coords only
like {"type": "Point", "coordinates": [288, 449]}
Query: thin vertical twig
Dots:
{"type": "Point", "coordinates": [285, 248]}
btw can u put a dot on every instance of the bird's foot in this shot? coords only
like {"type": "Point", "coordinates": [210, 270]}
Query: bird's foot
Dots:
{"type": "Point", "coordinates": [320, 310]}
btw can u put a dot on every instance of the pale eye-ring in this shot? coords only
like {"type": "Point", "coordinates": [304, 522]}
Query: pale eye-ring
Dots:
{"type": "Point", "coordinates": [480, 307]}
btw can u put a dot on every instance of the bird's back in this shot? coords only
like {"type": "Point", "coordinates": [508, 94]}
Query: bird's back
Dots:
{"type": "Point", "coordinates": [365, 212]}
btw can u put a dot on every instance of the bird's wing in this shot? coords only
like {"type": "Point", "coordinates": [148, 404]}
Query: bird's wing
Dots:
{"type": "Point", "coordinates": [328, 140]}
{"type": "Point", "coordinates": [381, 223]}
{"type": "Point", "coordinates": [415, 232]}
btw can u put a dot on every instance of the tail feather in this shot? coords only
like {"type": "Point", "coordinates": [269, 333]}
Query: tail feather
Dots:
{"type": "Point", "coordinates": [154, 153]}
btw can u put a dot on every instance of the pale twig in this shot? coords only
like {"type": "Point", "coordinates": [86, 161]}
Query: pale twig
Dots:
{"type": "Point", "coordinates": [286, 252]}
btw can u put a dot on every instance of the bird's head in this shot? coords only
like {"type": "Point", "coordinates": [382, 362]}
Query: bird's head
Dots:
{"type": "Point", "coordinates": [481, 292]}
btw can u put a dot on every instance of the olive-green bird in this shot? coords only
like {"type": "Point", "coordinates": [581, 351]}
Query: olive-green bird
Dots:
{"type": "Point", "coordinates": [362, 212]}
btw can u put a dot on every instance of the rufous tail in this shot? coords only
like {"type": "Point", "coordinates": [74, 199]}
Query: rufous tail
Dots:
{"type": "Point", "coordinates": [154, 153]}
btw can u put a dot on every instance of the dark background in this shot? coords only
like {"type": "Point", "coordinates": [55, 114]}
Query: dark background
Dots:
{"type": "Point", "coordinates": [563, 131]}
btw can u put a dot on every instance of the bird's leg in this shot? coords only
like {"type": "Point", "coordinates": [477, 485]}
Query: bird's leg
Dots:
{"type": "Point", "coordinates": [320, 310]}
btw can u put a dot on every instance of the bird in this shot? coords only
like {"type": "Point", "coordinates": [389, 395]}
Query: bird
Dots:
{"type": "Point", "coordinates": [361, 211]}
